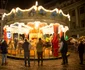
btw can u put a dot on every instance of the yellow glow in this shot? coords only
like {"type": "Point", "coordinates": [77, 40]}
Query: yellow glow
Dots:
{"type": "Point", "coordinates": [37, 24]}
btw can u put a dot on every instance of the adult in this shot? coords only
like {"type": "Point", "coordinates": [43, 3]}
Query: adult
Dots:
{"type": "Point", "coordinates": [4, 52]}
{"type": "Point", "coordinates": [81, 51]}
{"type": "Point", "coordinates": [39, 48]}
{"type": "Point", "coordinates": [63, 49]}
{"type": "Point", "coordinates": [26, 46]}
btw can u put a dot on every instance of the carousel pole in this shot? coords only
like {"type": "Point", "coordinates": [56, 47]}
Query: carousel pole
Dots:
{"type": "Point", "coordinates": [55, 41]}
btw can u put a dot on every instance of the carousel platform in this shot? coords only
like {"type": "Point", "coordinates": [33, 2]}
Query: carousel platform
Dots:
{"type": "Point", "coordinates": [45, 57]}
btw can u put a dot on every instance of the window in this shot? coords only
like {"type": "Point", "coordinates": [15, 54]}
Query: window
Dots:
{"type": "Point", "coordinates": [73, 25]}
{"type": "Point", "coordinates": [82, 10]}
{"type": "Point", "coordinates": [82, 23]}
{"type": "Point", "coordinates": [73, 13]}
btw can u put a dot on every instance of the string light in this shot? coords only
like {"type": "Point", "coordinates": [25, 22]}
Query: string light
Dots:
{"type": "Point", "coordinates": [36, 7]}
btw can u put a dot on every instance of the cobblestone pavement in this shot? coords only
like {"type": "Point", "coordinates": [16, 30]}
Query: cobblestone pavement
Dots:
{"type": "Point", "coordinates": [73, 64]}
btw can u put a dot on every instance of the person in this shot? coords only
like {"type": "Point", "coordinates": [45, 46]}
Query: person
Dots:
{"type": "Point", "coordinates": [19, 45]}
{"type": "Point", "coordinates": [26, 46]}
{"type": "Point", "coordinates": [81, 51]}
{"type": "Point", "coordinates": [75, 46]}
{"type": "Point", "coordinates": [39, 48]}
{"type": "Point", "coordinates": [63, 49]}
{"type": "Point", "coordinates": [15, 43]}
{"type": "Point", "coordinates": [4, 51]}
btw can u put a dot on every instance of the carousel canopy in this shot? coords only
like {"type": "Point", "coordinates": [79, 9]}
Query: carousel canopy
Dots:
{"type": "Point", "coordinates": [36, 26]}
{"type": "Point", "coordinates": [36, 13]}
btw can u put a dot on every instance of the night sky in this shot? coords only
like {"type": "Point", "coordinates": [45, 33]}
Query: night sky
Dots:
{"type": "Point", "coordinates": [9, 4]}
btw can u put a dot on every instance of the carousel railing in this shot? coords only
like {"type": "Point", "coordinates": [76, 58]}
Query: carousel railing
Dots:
{"type": "Point", "coordinates": [47, 53]}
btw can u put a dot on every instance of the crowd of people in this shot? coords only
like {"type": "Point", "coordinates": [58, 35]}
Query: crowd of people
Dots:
{"type": "Point", "coordinates": [63, 49]}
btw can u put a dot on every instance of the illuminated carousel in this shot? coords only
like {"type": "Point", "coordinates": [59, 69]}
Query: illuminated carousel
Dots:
{"type": "Point", "coordinates": [36, 22]}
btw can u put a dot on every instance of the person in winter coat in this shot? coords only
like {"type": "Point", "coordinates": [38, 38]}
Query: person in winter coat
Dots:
{"type": "Point", "coordinates": [26, 46]}
{"type": "Point", "coordinates": [63, 49]}
{"type": "Point", "coordinates": [81, 51]}
{"type": "Point", "coordinates": [4, 52]}
{"type": "Point", "coordinates": [39, 48]}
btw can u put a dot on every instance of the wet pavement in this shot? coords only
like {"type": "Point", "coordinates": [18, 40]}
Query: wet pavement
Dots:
{"type": "Point", "coordinates": [73, 64]}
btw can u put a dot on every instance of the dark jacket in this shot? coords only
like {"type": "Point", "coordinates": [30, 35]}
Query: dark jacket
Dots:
{"type": "Point", "coordinates": [81, 48]}
{"type": "Point", "coordinates": [26, 46]}
{"type": "Point", "coordinates": [4, 47]}
{"type": "Point", "coordinates": [64, 48]}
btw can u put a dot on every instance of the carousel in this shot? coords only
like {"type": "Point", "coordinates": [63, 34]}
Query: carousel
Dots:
{"type": "Point", "coordinates": [33, 23]}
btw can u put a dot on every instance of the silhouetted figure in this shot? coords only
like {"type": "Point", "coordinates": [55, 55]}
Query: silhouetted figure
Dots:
{"type": "Point", "coordinates": [26, 46]}
{"type": "Point", "coordinates": [81, 51]}
{"type": "Point", "coordinates": [4, 51]}
{"type": "Point", "coordinates": [15, 43]}
{"type": "Point", "coordinates": [39, 48]}
{"type": "Point", "coordinates": [63, 49]}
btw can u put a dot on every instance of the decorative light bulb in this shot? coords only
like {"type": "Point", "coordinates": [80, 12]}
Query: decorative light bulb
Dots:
{"type": "Point", "coordinates": [36, 3]}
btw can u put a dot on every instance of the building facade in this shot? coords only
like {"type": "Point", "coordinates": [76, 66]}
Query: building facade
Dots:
{"type": "Point", "coordinates": [76, 10]}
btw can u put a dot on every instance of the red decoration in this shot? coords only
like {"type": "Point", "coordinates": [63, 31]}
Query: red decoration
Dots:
{"type": "Point", "coordinates": [61, 34]}
{"type": "Point", "coordinates": [55, 41]}
{"type": "Point", "coordinates": [5, 34]}
{"type": "Point", "coordinates": [55, 28]}
{"type": "Point", "coordinates": [55, 45]}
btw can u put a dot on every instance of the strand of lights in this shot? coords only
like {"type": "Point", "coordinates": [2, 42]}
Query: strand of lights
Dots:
{"type": "Point", "coordinates": [36, 7]}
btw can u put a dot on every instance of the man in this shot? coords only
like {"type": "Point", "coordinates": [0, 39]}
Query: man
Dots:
{"type": "Point", "coordinates": [26, 46]}
{"type": "Point", "coordinates": [4, 51]}
{"type": "Point", "coordinates": [81, 51]}
{"type": "Point", "coordinates": [63, 49]}
{"type": "Point", "coordinates": [39, 48]}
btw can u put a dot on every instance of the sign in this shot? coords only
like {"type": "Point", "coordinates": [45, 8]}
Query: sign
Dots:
{"type": "Point", "coordinates": [8, 34]}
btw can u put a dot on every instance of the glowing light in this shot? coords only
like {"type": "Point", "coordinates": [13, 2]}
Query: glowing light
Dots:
{"type": "Point", "coordinates": [36, 7]}
{"type": "Point", "coordinates": [36, 3]}
{"type": "Point", "coordinates": [37, 24]}
{"type": "Point", "coordinates": [66, 28]}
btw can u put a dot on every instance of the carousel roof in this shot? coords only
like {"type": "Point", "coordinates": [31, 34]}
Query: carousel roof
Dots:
{"type": "Point", "coordinates": [36, 13]}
